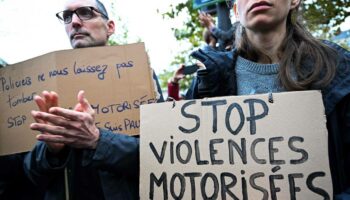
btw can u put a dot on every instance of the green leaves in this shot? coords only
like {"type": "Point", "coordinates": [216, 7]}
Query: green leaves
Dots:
{"type": "Point", "coordinates": [324, 17]}
{"type": "Point", "coordinates": [191, 29]}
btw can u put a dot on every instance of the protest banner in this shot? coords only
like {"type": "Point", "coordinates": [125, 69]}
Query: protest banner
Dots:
{"type": "Point", "coordinates": [116, 81]}
{"type": "Point", "coordinates": [243, 147]}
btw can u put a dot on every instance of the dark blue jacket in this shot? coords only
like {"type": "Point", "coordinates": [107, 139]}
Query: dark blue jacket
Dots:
{"type": "Point", "coordinates": [13, 182]}
{"type": "Point", "coordinates": [112, 169]}
{"type": "Point", "coordinates": [218, 79]}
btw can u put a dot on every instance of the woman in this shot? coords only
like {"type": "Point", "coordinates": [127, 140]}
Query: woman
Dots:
{"type": "Point", "coordinates": [275, 53]}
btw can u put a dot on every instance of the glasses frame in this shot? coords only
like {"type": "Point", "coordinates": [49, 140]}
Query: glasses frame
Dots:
{"type": "Point", "coordinates": [92, 9]}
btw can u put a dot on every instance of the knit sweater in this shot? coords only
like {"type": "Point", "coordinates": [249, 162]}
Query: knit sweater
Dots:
{"type": "Point", "coordinates": [256, 78]}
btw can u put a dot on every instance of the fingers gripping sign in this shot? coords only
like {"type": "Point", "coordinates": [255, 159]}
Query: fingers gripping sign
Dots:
{"type": "Point", "coordinates": [75, 128]}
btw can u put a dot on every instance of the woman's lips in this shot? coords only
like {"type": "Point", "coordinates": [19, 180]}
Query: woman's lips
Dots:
{"type": "Point", "coordinates": [262, 5]}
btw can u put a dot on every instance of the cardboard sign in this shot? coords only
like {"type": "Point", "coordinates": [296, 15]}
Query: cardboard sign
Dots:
{"type": "Point", "coordinates": [116, 80]}
{"type": "Point", "coordinates": [240, 147]}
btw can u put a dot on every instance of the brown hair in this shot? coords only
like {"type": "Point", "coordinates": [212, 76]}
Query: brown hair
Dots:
{"type": "Point", "coordinates": [305, 62]}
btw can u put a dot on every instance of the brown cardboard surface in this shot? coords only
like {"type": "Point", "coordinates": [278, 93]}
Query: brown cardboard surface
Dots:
{"type": "Point", "coordinates": [239, 146]}
{"type": "Point", "coordinates": [116, 80]}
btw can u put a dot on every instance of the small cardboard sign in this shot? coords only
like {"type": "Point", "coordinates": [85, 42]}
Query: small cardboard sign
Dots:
{"type": "Point", "coordinates": [242, 147]}
{"type": "Point", "coordinates": [116, 81]}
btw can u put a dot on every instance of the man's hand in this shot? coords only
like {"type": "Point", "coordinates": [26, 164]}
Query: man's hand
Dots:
{"type": "Point", "coordinates": [44, 103]}
{"type": "Point", "coordinates": [75, 128]}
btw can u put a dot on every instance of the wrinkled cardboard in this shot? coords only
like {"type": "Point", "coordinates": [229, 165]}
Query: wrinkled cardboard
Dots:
{"type": "Point", "coordinates": [123, 83]}
{"type": "Point", "coordinates": [285, 143]}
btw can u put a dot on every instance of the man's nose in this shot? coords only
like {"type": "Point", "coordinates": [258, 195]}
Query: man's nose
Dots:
{"type": "Point", "coordinates": [76, 21]}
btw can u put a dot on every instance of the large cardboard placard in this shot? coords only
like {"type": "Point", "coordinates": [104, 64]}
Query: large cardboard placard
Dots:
{"type": "Point", "coordinates": [240, 147]}
{"type": "Point", "coordinates": [116, 80]}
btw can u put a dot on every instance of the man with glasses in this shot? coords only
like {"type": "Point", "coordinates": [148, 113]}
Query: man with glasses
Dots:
{"type": "Point", "coordinates": [74, 159]}
{"type": "Point", "coordinates": [86, 26]}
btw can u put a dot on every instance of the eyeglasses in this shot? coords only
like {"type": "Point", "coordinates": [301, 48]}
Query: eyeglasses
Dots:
{"type": "Point", "coordinates": [84, 13]}
{"type": "Point", "coordinates": [230, 3]}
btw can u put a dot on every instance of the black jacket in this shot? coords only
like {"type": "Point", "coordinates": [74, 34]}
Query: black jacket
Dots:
{"type": "Point", "coordinates": [13, 182]}
{"type": "Point", "coordinates": [111, 171]}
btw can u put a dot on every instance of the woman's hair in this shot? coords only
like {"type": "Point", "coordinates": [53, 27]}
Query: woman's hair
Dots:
{"type": "Point", "coordinates": [305, 62]}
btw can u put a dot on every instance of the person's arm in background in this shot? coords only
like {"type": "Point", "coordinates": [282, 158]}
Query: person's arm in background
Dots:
{"type": "Point", "coordinates": [207, 21]}
{"type": "Point", "coordinates": [173, 91]}
{"type": "Point", "coordinates": [226, 37]}
{"type": "Point", "coordinates": [173, 83]}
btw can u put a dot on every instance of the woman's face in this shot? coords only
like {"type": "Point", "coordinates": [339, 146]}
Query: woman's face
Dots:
{"type": "Point", "coordinates": [264, 15]}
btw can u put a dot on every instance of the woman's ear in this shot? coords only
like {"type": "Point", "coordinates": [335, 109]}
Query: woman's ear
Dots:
{"type": "Point", "coordinates": [294, 4]}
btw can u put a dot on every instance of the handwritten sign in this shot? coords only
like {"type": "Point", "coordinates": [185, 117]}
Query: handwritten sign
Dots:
{"type": "Point", "coordinates": [116, 80]}
{"type": "Point", "coordinates": [240, 147]}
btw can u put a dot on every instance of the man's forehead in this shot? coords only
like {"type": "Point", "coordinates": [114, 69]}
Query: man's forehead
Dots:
{"type": "Point", "coordinates": [73, 4]}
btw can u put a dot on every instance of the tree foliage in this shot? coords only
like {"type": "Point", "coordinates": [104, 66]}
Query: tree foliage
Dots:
{"type": "Point", "coordinates": [120, 38]}
{"type": "Point", "coordinates": [121, 35]}
{"type": "Point", "coordinates": [192, 30]}
{"type": "Point", "coordinates": [324, 17]}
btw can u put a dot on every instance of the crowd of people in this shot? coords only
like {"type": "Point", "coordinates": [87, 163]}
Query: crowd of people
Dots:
{"type": "Point", "coordinates": [268, 50]}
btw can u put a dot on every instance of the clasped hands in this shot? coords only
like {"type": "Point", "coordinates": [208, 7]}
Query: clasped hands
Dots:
{"type": "Point", "coordinates": [60, 127]}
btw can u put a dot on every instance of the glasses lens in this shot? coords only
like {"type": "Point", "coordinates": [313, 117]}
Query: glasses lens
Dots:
{"type": "Point", "coordinates": [66, 16]}
{"type": "Point", "coordinates": [84, 13]}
